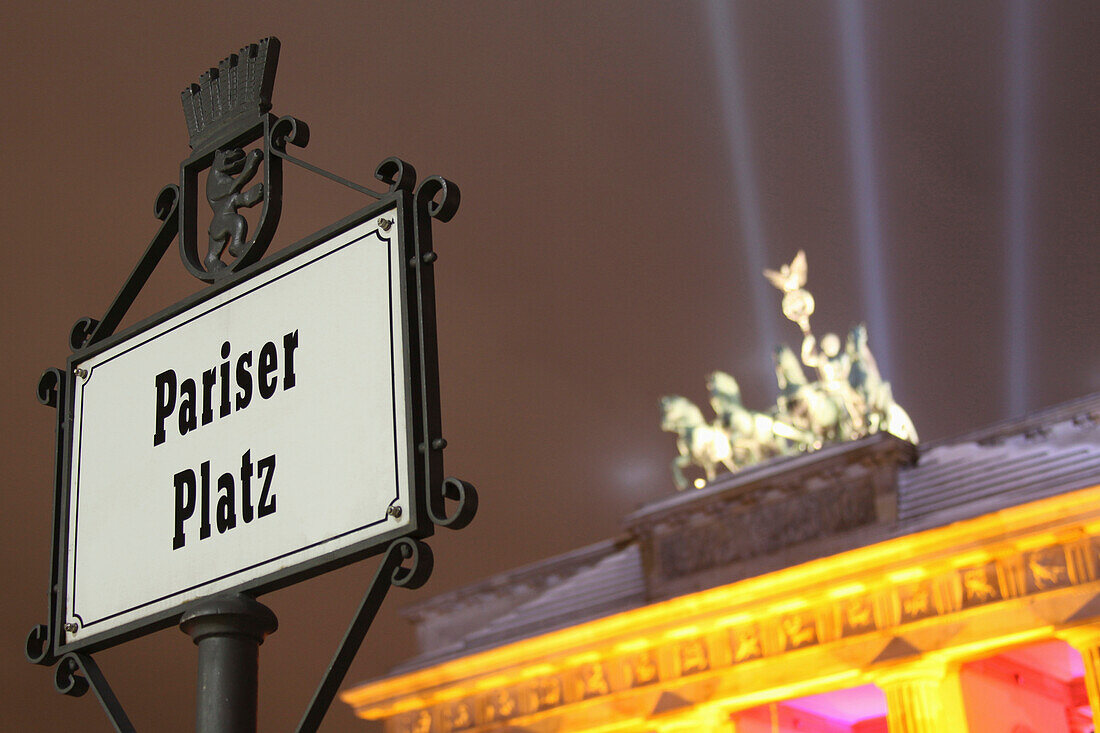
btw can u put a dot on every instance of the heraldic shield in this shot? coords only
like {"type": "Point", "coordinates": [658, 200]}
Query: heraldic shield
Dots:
{"type": "Point", "coordinates": [226, 111]}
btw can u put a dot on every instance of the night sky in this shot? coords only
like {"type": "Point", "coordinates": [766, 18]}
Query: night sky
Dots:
{"type": "Point", "coordinates": [626, 169]}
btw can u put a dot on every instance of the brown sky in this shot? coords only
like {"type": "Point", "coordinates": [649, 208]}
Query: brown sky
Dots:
{"type": "Point", "coordinates": [599, 259]}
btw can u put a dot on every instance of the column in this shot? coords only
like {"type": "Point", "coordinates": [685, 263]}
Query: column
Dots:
{"type": "Point", "coordinates": [1086, 640]}
{"type": "Point", "coordinates": [923, 697]}
{"type": "Point", "coordinates": [723, 721]}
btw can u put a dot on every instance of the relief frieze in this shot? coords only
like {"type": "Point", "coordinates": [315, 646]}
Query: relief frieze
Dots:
{"type": "Point", "coordinates": [746, 643]}
{"type": "Point", "coordinates": [460, 715]}
{"type": "Point", "coordinates": [546, 694]}
{"type": "Point", "coordinates": [798, 630]}
{"type": "Point", "coordinates": [916, 601]}
{"type": "Point", "coordinates": [980, 585]}
{"type": "Point", "coordinates": [642, 669]}
{"type": "Point", "coordinates": [857, 616]}
{"type": "Point", "coordinates": [592, 681]}
{"type": "Point", "coordinates": [693, 657]}
{"type": "Point", "coordinates": [734, 535]}
{"type": "Point", "coordinates": [499, 705]}
{"type": "Point", "coordinates": [1047, 568]}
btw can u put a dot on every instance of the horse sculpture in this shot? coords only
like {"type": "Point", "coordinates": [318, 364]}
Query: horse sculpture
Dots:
{"type": "Point", "coordinates": [883, 414]}
{"type": "Point", "coordinates": [756, 436]}
{"type": "Point", "coordinates": [699, 442]}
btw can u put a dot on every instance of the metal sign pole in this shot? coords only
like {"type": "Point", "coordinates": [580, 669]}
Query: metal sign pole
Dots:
{"type": "Point", "coordinates": [228, 631]}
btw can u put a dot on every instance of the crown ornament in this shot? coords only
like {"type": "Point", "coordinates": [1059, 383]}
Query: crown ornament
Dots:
{"type": "Point", "coordinates": [237, 90]}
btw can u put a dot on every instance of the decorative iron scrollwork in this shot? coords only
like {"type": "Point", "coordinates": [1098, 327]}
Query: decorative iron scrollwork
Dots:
{"type": "Point", "coordinates": [68, 678]}
{"type": "Point", "coordinates": [288, 129]}
{"type": "Point", "coordinates": [416, 574]}
{"type": "Point", "coordinates": [81, 332]}
{"type": "Point", "coordinates": [48, 385]}
{"type": "Point", "coordinates": [438, 197]}
{"type": "Point", "coordinates": [458, 491]}
{"type": "Point", "coordinates": [88, 331]}
{"type": "Point", "coordinates": [391, 571]}
{"type": "Point", "coordinates": [39, 649]}
{"type": "Point", "coordinates": [167, 202]}
{"type": "Point", "coordinates": [397, 174]}
{"type": "Point", "coordinates": [77, 673]}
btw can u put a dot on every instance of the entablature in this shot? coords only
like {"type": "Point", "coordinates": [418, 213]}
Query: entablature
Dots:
{"type": "Point", "coordinates": [949, 594]}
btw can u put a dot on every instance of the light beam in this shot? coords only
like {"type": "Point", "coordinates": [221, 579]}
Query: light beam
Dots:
{"type": "Point", "coordinates": [864, 187]}
{"type": "Point", "coordinates": [1018, 295]}
{"type": "Point", "coordinates": [720, 25]}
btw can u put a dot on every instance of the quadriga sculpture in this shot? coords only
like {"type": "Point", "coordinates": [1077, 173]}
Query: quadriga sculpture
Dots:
{"type": "Point", "coordinates": [848, 400]}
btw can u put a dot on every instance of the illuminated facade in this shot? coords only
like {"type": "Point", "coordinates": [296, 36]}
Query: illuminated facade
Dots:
{"type": "Point", "coordinates": [857, 589]}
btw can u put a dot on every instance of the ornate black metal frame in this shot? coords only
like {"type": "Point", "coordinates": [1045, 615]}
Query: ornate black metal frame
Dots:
{"type": "Point", "coordinates": [435, 198]}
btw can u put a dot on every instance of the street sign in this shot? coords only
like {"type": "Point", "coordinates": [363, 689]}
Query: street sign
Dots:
{"type": "Point", "coordinates": [250, 437]}
{"type": "Point", "coordinates": [279, 423]}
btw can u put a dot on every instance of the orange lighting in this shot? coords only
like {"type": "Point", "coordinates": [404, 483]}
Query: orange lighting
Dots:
{"type": "Point", "coordinates": [964, 587]}
{"type": "Point", "coordinates": [637, 645]}
{"type": "Point", "coordinates": [794, 604]}
{"type": "Point", "coordinates": [734, 619]}
{"type": "Point", "coordinates": [685, 632]}
{"type": "Point", "coordinates": [850, 589]}
{"type": "Point", "coordinates": [907, 575]}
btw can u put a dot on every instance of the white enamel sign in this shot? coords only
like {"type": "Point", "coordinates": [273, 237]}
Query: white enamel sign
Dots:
{"type": "Point", "coordinates": [261, 429]}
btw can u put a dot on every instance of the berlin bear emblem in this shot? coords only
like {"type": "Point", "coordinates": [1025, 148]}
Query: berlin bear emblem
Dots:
{"type": "Point", "coordinates": [230, 172]}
